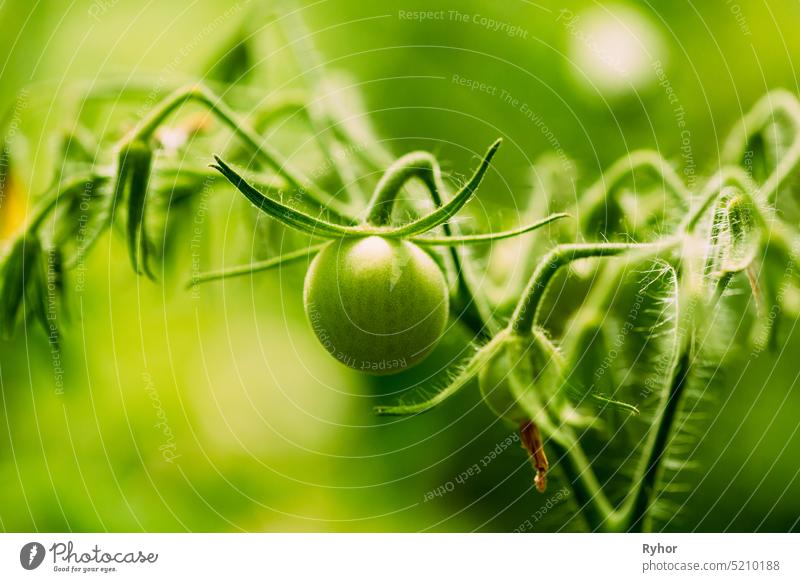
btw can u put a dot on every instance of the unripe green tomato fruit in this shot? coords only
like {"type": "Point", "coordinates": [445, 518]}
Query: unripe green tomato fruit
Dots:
{"type": "Point", "coordinates": [521, 377]}
{"type": "Point", "coordinates": [378, 305]}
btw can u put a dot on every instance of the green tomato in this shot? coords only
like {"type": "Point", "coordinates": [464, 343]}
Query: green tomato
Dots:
{"type": "Point", "coordinates": [378, 305]}
{"type": "Point", "coordinates": [522, 377]}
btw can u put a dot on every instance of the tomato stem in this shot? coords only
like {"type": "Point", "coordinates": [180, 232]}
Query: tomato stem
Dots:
{"type": "Point", "coordinates": [420, 165]}
{"type": "Point", "coordinates": [256, 267]}
{"type": "Point", "coordinates": [726, 177]}
{"type": "Point", "coordinates": [446, 211]}
{"type": "Point", "coordinates": [758, 119]}
{"type": "Point", "coordinates": [525, 313]}
{"type": "Point", "coordinates": [201, 95]}
{"type": "Point", "coordinates": [606, 186]}
{"type": "Point", "coordinates": [474, 310]}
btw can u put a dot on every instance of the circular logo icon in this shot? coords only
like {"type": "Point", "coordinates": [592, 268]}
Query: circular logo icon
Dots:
{"type": "Point", "coordinates": [31, 555]}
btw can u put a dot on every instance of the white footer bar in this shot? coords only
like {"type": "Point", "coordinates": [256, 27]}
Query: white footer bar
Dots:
{"type": "Point", "coordinates": [400, 557]}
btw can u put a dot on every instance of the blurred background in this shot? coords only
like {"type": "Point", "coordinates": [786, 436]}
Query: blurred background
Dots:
{"type": "Point", "coordinates": [218, 411]}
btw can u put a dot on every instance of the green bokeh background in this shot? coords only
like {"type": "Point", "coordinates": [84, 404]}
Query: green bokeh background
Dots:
{"type": "Point", "coordinates": [270, 433]}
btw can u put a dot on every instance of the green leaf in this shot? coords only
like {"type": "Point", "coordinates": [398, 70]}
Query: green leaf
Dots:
{"type": "Point", "coordinates": [699, 383]}
{"type": "Point", "coordinates": [776, 274]}
{"type": "Point", "coordinates": [621, 349]}
{"type": "Point", "coordinates": [17, 272]}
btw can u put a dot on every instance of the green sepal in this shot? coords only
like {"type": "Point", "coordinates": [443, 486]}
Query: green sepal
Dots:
{"type": "Point", "coordinates": [488, 237]}
{"type": "Point", "coordinates": [133, 175]}
{"type": "Point", "coordinates": [285, 214]}
{"type": "Point", "coordinates": [82, 215]}
{"type": "Point", "coordinates": [445, 212]}
{"type": "Point", "coordinates": [422, 402]}
{"type": "Point", "coordinates": [37, 304]}
{"type": "Point", "coordinates": [138, 243]}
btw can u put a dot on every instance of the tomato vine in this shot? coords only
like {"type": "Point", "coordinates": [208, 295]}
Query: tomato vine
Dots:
{"type": "Point", "coordinates": [393, 274]}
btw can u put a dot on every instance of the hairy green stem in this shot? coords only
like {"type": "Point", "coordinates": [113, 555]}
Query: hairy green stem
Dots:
{"type": "Point", "coordinates": [589, 495]}
{"type": "Point", "coordinates": [256, 267]}
{"type": "Point", "coordinates": [525, 313]}
{"type": "Point", "coordinates": [267, 154]}
{"type": "Point", "coordinates": [635, 513]}
{"type": "Point", "coordinates": [474, 310]}
{"type": "Point", "coordinates": [726, 176]}
{"type": "Point", "coordinates": [755, 121]}
{"type": "Point", "coordinates": [421, 165]}
{"type": "Point", "coordinates": [310, 64]}
{"type": "Point", "coordinates": [599, 192]}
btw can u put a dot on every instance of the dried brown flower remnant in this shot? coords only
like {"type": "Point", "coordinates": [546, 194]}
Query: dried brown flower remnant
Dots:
{"type": "Point", "coordinates": [532, 442]}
